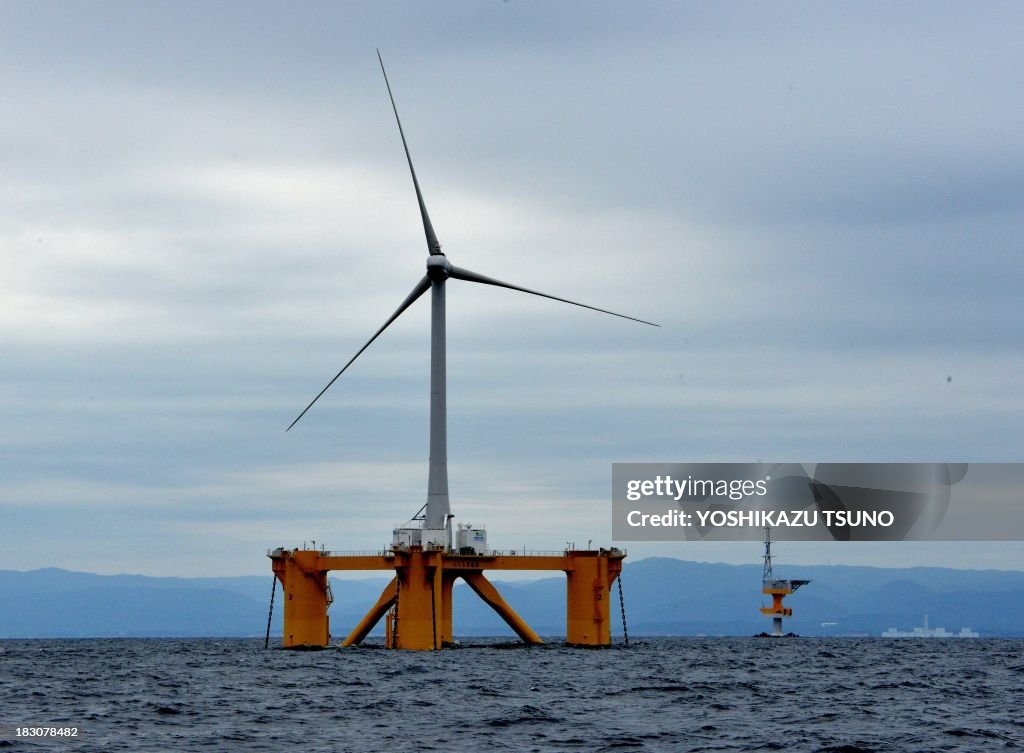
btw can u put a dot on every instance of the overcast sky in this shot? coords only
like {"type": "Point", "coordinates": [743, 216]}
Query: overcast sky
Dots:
{"type": "Point", "coordinates": [206, 211]}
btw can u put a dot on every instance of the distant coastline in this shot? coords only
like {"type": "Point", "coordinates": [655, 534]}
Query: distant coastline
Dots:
{"type": "Point", "coordinates": [663, 596]}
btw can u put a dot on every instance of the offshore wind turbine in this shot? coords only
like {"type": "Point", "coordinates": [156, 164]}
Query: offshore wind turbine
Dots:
{"type": "Point", "coordinates": [439, 270]}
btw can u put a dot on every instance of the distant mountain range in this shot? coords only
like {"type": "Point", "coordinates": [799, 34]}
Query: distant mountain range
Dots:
{"type": "Point", "coordinates": [663, 596]}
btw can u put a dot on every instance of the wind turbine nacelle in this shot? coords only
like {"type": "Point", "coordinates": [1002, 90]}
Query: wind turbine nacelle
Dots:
{"type": "Point", "coordinates": [438, 267]}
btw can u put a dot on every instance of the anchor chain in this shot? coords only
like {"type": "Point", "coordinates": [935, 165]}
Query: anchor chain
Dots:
{"type": "Point", "coordinates": [270, 614]}
{"type": "Point", "coordinates": [622, 607]}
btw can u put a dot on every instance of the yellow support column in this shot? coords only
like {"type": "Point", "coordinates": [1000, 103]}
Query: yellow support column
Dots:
{"type": "Point", "coordinates": [588, 587]}
{"type": "Point", "coordinates": [305, 599]}
{"type": "Point", "coordinates": [437, 600]}
{"type": "Point", "coordinates": [444, 624]}
{"type": "Point", "coordinates": [417, 611]}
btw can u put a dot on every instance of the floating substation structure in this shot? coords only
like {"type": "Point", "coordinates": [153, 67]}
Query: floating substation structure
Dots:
{"type": "Point", "coordinates": [776, 588]}
{"type": "Point", "coordinates": [418, 600]}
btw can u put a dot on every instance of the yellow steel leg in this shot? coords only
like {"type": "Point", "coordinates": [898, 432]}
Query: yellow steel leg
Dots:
{"type": "Point", "coordinates": [387, 598]}
{"type": "Point", "coordinates": [489, 593]}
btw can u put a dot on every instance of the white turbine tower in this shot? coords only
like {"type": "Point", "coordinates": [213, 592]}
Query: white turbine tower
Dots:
{"type": "Point", "coordinates": [439, 271]}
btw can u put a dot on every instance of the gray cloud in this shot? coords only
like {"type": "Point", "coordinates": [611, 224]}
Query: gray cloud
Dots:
{"type": "Point", "coordinates": [206, 211]}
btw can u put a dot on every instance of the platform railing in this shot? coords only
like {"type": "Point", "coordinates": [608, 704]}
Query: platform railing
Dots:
{"type": "Point", "coordinates": [359, 553]}
{"type": "Point", "coordinates": [327, 553]}
{"type": "Point", "coordinates": [512, 553]}
{"type": "Point", "coordinates": [483, 553]}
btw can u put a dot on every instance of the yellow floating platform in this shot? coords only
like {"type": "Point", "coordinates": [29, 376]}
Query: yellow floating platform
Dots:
{"type": "Point", "coordinates": [418, 600]}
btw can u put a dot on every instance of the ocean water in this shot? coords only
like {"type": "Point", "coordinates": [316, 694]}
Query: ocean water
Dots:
{"type": "Point", "coordinates": [658, 694]}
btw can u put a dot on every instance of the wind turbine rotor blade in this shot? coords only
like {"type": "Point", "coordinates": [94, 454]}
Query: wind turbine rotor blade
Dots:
{"type": "Point", "coordinates": [464, 274]}
{"type": "Point", "coordinates": [428, 230]}
{"type": "Point", "coordinates": [421, 287]}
